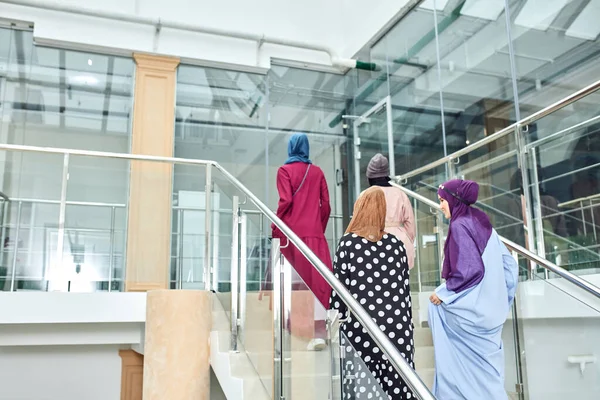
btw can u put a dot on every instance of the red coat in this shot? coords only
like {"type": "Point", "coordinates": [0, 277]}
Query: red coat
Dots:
{"type": "Point", "coordinates": [307, 214]}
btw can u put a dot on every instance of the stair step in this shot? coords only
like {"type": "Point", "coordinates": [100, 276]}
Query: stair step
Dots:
{"type": "Point", "coordinates": [308, 363]}
{"type": "Point", "coordinates": [426, 376]}
{"type": "Point", "coordinates": [424, 357]}
{"type": "Point", "coordinates": [423, 337]}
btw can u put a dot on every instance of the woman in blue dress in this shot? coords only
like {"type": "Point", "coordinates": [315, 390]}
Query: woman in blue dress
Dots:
{"type": "Point", "coordinates": [467, 312]}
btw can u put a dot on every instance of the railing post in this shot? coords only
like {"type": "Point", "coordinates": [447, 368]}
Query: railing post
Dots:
{"type": "Point", "coordinates": [243, 275]}
{"type": "Point", "coordinates": [277, 277]}
{"type": "Point", "coordinates": [537, 209]}
{"type": "Point", "coordinates": [180, 238]}
{"type": "Point", "coordinates": [111, 249]}
{"type": "Point", "coordinates": [522, 157]}
{"type": "Point", "coordinates": [417, 248]}
{"type": "Point", "coordinates": [517, 338]}
{"type": "Point", "coordinates": [440, 234]}
{"type": "Point", "coordinates": [234, 273]}
{"type": "Point", "coordinates": [16, 247]}
{"type": "Point", "coordinates": [61, 218]}
{"type": "Point", "coordinates": [208, 267]}
{"type": "Point", "coordinates": [286, 326]}
{"type": "Point", "coordinates": [5, 204]}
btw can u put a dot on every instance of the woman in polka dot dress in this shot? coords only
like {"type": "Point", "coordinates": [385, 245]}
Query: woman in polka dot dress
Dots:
{"type": "Point", "coordinates": [373, 266]}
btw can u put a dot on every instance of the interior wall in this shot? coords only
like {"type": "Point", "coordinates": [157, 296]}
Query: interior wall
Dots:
{"type": "Point", "coordinates": [271, 18]}
{"type": "Point", "coordinates": [60, 372]}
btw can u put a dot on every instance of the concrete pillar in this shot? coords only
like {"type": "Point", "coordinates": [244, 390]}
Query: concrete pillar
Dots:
{"type": "Point", "coordinates": [177, 346]}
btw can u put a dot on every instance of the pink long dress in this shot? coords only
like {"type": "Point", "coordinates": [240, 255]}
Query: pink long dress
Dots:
{"type": "Point", "coordinates": [306, 213]}
{"type": "Point", "coordinates": [400, 220]}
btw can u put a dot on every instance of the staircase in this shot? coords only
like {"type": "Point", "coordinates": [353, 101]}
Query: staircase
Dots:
{"type": "Point", "coordinates": [424, 359]}
{"type": "Point", "coordinates": [247, 374]}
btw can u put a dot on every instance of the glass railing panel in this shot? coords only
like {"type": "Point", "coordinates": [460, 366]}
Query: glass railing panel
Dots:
{"type": "Point", "coordinates": [30, 221]}
{"type": "Point", "coordinates": [426, 183]}
{"type": "Point", "coordinates": [426, 274]}
{"type": "Point", "coordinates": [500, 185]}
{"type": "Point", "coordinates": [354, 374]}
{"type": "Point", "coordinates": [557, 339]}
{"type": "Point", "coordinates": [564, 170]}
{"type": "Point", "coordinates": [306, 353]}
{"type": "Point", "coordinates": [95, 224]}
{"type": "Point", "coordinates": [188, 222]}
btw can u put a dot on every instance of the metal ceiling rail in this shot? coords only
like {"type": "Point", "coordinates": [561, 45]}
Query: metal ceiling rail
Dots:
{"type": "Point", "coordinates": [542, 262]}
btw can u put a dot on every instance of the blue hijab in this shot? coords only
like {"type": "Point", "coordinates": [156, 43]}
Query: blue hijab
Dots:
{"type": "Point", "coordinates": [298, 149]}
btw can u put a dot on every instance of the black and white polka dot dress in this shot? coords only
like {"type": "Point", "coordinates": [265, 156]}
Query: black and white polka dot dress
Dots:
{"type": "Point", "coordinates": [376, 273]}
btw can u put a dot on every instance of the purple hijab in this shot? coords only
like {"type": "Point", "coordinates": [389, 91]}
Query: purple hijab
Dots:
{"type": "Point", "coordinates": [468, 235]}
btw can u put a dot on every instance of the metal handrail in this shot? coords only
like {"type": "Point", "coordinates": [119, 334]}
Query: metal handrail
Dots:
{"type": "Point", "coordinates": [389, 349]}
{"type": "Point", "coordinates": [579, 200]}
{"type": "Point", "coordinates": [506, 131]}
{"type": "Point", "coordinates": [542, 262]}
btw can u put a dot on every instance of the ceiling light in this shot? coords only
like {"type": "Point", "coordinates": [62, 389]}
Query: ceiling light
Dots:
{"type": "Point", "coordinates": [83, 80]}
{"type": "Point", "coordinates": [90, 61]}
{"type": "Point", "coordinates": [468, 142]}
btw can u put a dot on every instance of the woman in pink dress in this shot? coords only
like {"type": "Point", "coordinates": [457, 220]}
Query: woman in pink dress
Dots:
{"type": "Point", "coordinates": [304, 207]}
{"type": "Point", "coordinates": [400, 217]}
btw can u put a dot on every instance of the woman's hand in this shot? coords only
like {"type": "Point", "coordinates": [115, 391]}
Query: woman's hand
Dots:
{"type": "Point", "coordinates": [435, 299]}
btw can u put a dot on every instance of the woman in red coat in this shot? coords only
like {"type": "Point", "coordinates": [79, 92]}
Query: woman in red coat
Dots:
{"type": "Point", "coordinates": [304, 207]}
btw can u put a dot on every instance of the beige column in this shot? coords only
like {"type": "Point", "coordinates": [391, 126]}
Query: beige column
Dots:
{"type": "Point", "coordinates": [149, 222]}
{"type": "Point", "coordinates": [132, 375]}
{"type": "Point", "coordinates": [177, 347]}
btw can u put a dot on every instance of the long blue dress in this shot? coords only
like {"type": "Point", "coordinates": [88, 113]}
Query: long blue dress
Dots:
{"type": "Point", "coordinates": [467, 330]}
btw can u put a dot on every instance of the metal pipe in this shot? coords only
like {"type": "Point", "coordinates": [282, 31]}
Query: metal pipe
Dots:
{"type": "Point", "coordinates": [578, 95]}
{"type": "Point", "coordinates": [16, 248]}
{"type": "Point", "coordinates": [4, 227]}
{"type": "Point", "coordinates": [62, 214]}
{"type": "Point", "coordinates": [243, 276]}
{"type": "Point", "coordinates": [234, 278]}
{"type": "Point", "coordinates": [517, 338]}
{"type": "Point", "coordinates": [560, 134]}
{"type": "Point", "coordinates": [390, 130]}
{"type": "Point", "coordinates": [180, 236]}
{"type": "Point", "coordinates": [579, 200]}
{"type": "Point", "coordinates": [583, 219]}
{"type": "Point", "coordinates": [207, 230]}
{"type": "Point", "coordinates": [262, 244]}
{"type": "Point", "coordinates": [287, 275]}
{"type": "Point", "coordinates": [160, 23]}
{"type": "Point", "coordinates": [111, 248]}
{"type": "Point", "coordinates": [277, 277]}
{"type": "Point", "coordinates": [417, 256]}
{"type": "Point", "coordinates": [69, 203]}
{"type": "Point", "coordinates": [537, 209]}
{"type": "Point", "coordinates": [522, 160]}
{"type": "Point", "coordinates": [574, 279]}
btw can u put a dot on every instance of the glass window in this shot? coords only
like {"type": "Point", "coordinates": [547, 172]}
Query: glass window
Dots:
{"type": "Point", "coordinates": [68, 99]}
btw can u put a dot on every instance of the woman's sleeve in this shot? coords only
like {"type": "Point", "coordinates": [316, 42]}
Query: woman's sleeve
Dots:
{"type": "Point", "coordinates": [325, 206]}
{"type": "Point", "coordinates": [511, 273]}
{"type": "Point", "coordinates": [284, 188]}
{"type": "Point", "coordinates": [467, 259]}
{"type": "Point", "coordinates": [341, 271]}
{"type": "Point", "coordinates": [408, 217]}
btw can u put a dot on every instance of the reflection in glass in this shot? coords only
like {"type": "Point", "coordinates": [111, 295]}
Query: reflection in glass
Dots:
{"type": "Point", "coordinates": [67, 99]}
